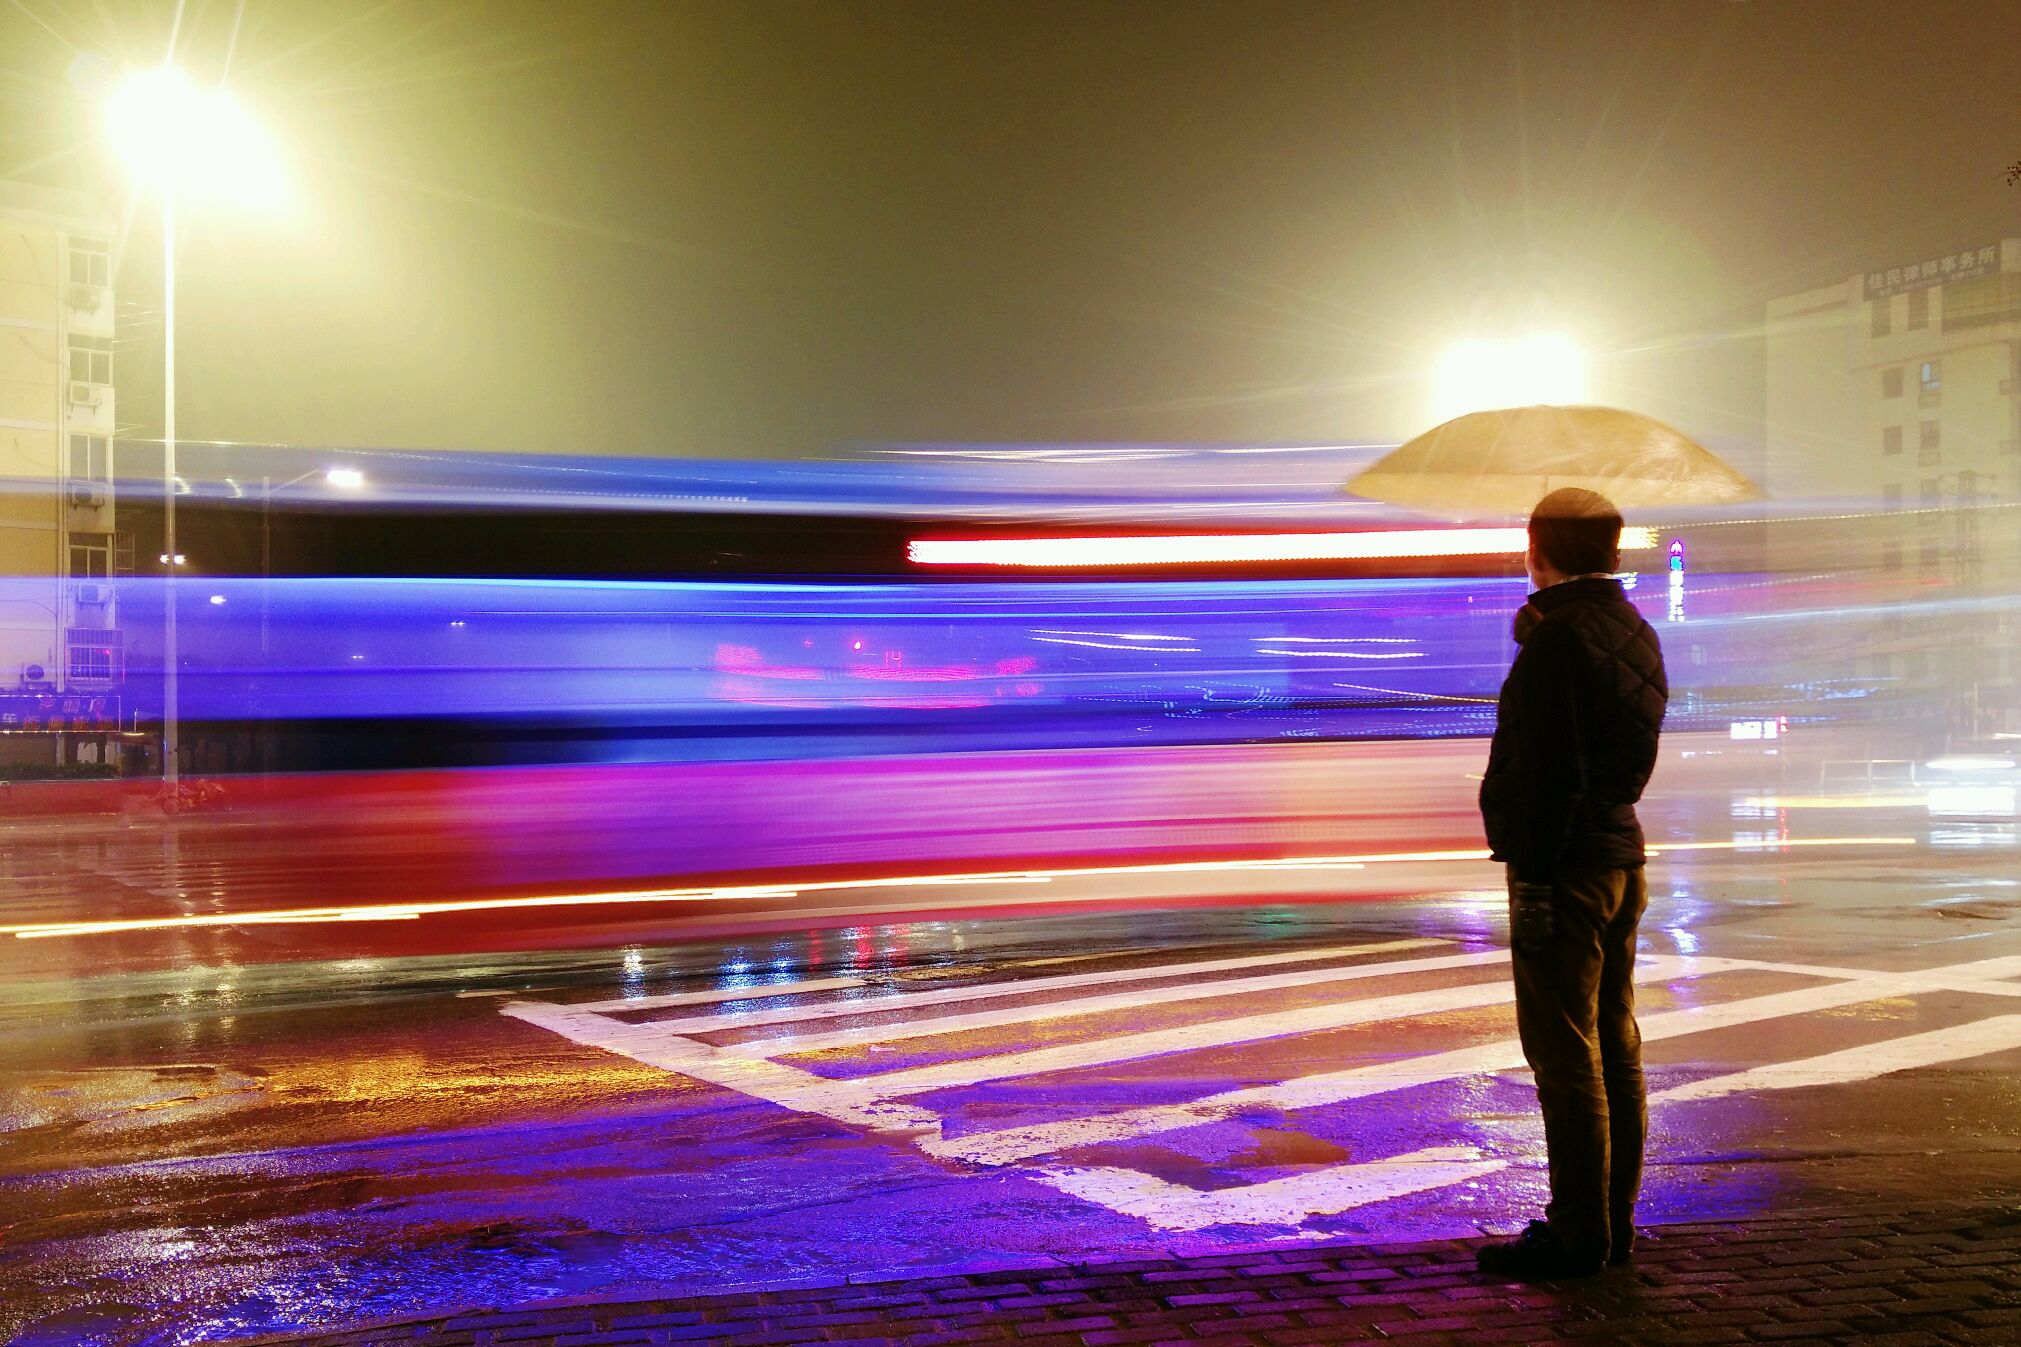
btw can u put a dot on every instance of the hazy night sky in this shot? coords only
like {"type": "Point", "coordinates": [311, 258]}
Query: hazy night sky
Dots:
{"type": "Point", "coordinates": [775, 228]}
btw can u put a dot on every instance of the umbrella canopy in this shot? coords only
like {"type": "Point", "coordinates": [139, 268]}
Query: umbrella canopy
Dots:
{"type": "Point", "coordinates": [1503, 462]}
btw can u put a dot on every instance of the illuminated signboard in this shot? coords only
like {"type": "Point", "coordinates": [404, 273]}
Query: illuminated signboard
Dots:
{"type": "Point", "coordinates": [1675, 611]}
{"type": "Point", "coordinates": [1959, 266]}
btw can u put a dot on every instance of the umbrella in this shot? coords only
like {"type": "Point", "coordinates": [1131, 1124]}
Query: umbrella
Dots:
{"type": "Point", "coordinates": [1503, 462]}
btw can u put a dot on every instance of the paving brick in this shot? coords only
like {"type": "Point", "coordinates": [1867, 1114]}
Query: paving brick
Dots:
{"type": "Point", "coordinates": [1935, 1305]}
{"type": "Point", "coordinates": [1192, 1274]}
{"type": "Point", "coordinates": [1846, 1295]}
{"type": "Point", "coordinates": [1214, 1298]}
{"type": "Point", "coordinates": [492, 1321]}
{"type": "Point", "coordinates": [1088, 1283]}
{"type": "Point", "coordinates": [1803, 1328]}
{"type": "Point", "coordinates": [1950, 1286]}
{"type": "Point", "coordinates": [1127, 1336]}
{"type": "Point", "coordinates": [1034, 1302]}
{"type": "Point", "coordinates": [1356, 1274]}
{"type": "Point", "coordinates": [542, 1327]}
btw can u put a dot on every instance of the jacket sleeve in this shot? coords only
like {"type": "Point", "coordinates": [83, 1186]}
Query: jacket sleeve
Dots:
{"type": "Point", "coordinates": [1550, 784]}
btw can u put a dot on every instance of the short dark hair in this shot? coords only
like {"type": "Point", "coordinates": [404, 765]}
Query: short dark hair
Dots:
{"type": "Point", "coordinates": [1577, 531]}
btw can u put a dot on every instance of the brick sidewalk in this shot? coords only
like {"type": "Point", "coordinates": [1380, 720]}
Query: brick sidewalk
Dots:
{"type": "Point", "coordinates": [1930, 1276]}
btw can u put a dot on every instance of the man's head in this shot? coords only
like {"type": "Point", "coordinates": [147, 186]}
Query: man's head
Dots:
{"type": "Point", "coordinates": [1572, 532]}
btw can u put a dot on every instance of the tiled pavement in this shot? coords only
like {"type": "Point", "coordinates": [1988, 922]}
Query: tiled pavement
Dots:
{"type": "Point", "coordinates": [1933, 1275]}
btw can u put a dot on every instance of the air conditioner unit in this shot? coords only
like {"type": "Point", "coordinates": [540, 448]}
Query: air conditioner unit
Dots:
{"type": "Point", "coordinates": [86, 297]}
{"type": "Point", "coordinates": [87, 495]}
{"type": "Point", "coordinates": [86, 395]}
{"type": "Point", "coordinates": [91, 592]}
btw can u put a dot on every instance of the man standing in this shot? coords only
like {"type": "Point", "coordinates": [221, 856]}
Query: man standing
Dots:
{"type": "Point", "coordinates": [1575, 740]}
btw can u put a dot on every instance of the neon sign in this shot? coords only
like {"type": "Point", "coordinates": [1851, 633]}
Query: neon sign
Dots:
{"type": "Point", "coordinates": [1675, 611]}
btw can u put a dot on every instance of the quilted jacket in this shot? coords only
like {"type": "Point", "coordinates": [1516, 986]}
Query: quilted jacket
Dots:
{"type": "Point", "coordinates": [1576, 728]}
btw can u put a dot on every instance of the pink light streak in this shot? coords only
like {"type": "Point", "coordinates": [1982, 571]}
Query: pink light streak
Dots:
{"type": "Point", "coordinates": [1185, 549]}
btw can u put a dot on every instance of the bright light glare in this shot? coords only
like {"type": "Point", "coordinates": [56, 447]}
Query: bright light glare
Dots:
{"type": "Point", "coordinates": [185, 139]}
{"type": "Point", "coordinates": [1971, 762]}
{"type": "Point", "coordinates": [1191, 549]}
{"type": "Point", "coordinates": [406, 910]}
{"type": "Point", "coordinates": [350, 479]}
{"type": "Point", "coordinates": [1478, 375]}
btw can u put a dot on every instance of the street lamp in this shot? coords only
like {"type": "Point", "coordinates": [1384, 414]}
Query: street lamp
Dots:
{"type": "Point", "coordinates": [180, 139]}
{"type": "Point", "coordinates": [1481, 375]}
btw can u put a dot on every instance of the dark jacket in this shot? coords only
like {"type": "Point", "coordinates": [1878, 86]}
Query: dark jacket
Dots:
{"type": "Point", "coordinates": [1575, 734]}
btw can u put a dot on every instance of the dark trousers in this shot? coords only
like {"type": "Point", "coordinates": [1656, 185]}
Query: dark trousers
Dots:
{"type": "Point", "coordinates": [1575, 1011]}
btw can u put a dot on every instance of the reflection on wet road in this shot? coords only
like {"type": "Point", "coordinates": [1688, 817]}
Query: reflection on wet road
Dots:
{"type": "Point", "coordinates": [264, 1145]}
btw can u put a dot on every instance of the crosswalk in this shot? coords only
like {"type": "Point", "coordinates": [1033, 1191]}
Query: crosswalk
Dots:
{"type": "Point", "coordinates": [1033, 1075]}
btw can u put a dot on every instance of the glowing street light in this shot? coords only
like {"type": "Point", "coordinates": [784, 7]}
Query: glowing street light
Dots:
{"type": "Point", "coordinates": [182, 140]}
{"type": "Point", "coordinates": [179, 138]}
{"type": "Point", "coordinates": [1479, 375]}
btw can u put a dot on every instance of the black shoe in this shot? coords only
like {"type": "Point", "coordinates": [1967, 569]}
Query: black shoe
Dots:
{"type": "Point", "coordinates": [1623, 1251]}
{"type": "Point", "coordinates": [1536, 1255]}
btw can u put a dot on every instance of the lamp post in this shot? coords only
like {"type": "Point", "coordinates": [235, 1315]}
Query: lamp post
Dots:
{"type": "Point", "coordinates": [183, 141]}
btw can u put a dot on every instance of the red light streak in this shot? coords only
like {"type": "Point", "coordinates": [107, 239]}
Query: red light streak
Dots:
{"type": "Point", "coordinates": [1193, 549]}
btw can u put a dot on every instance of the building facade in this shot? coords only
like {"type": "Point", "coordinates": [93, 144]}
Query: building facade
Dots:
{"type": "Point", "coordinates": [1898, 393]}
{"type": "Point", "coordinates": [1900, 384]}
{"type": "Point", "coordinates": [61, 552]}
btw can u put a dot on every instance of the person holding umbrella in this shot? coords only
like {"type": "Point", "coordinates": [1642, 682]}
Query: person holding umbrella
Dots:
{"type": "Point", "coordinates": [1576, 730]}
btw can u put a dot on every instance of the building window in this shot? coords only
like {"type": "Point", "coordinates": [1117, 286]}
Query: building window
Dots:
{"type": "Point", "coordinates": [94, 656]}
{"type": "Point", "coordinates": [90, 359]}
{"type": "Point", "coordinates": [89, 262]}
{"type": "Point", "coordinates": [1933, 376]}
{"type": "Point", "coordinates": [1929, 490]}
{"type": "Point", "coordinates": [1891, 496]}
{"type": "Point", "coordinates": [1891, 383]}
{"type": "Point", "coordinates": [1891, 440]}
{"type": "Point", "coordinates": [1928, 448]}
{"type": "Point", "coordinates": [90, 458]}
{"type": "Point", "coordinates": [90, 556]}
{"type": "Point", "coordinates": [1919, 309]}
{"type": "Point", "coordinates": [1882, 315]}
{"type": "Point", "coordinates": [1982, 301]}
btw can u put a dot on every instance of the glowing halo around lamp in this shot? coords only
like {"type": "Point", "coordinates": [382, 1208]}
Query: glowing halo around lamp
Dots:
{"type": "Point", "coordinates": [1479, 375]}
{"type": "Point", "coordinates": [192, 141]}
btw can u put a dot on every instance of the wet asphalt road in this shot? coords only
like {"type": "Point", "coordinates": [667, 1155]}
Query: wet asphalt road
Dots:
{"type": "Point", "coordinates": [191, 1153]}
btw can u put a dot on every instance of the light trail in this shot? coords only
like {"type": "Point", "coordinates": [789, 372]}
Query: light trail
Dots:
{"type": "Point", "coordinates": [1187, 549]}
{"type": "Point", "coordinates": [406, 911]}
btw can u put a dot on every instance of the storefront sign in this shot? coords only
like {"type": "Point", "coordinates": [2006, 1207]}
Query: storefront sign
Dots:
{"type": "Point", "coordinates": [1958, 266]}
{"type": "Point", "coordinates": [37, 712]}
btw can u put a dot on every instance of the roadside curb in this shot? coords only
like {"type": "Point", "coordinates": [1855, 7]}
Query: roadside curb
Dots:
{"type": "Point", "coordinates": [1933, 1274]}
